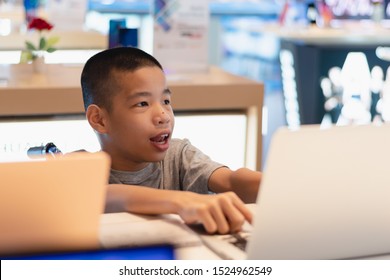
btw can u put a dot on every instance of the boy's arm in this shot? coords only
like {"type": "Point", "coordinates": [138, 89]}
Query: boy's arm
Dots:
{"type": "Point", "coordinates": [244, 182]}
{"type": "Point", "coordinates": [220, 213]}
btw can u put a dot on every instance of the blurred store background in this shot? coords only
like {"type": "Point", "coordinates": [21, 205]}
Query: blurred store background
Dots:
{"type": "Point", "coordinates": [320, 61]}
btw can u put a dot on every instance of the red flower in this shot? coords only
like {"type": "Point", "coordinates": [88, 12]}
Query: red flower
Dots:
{"type": "Point", "coordinates": [39, 24]}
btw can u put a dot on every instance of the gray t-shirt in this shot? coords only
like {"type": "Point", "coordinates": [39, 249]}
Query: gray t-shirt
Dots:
{"type": "Point", "coordinates": [183, 168]}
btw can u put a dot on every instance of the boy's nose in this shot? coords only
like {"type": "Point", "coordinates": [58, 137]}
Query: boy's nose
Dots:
{"type": "Point", "coordinates": [161, 116]}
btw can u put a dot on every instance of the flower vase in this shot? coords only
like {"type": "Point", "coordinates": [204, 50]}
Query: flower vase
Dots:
{"type": "Point", "coordinates": [39, 65]}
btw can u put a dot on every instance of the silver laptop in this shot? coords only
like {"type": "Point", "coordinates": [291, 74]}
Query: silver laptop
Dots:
{"type": "Point", "coordinates": [325, 194]}
{"type": "Point", "coordinates": [52, 204]}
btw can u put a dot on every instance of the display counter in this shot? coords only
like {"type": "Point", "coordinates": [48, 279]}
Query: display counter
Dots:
{"type": "Point", "coordinates": [344, 33]}
{"type": "Point", "coordinates": [73, 40]}
{"type": "Point", "coordinates": [308, 53]}
{"type": "Point", "coordinates": [58, 92]}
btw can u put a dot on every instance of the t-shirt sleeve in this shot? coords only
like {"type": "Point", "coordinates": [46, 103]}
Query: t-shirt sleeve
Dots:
{"type": "Point", "coordinates": [195, 168]}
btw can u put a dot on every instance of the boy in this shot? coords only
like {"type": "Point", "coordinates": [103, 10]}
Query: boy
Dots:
{"type": "Point", "coordinates": [128, 104]}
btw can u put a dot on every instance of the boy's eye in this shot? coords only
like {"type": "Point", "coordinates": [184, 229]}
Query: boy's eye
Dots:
{"type": "Point", "coordinates": [167, 101]}
{"type": "Point", "coordinates": [142, 104]}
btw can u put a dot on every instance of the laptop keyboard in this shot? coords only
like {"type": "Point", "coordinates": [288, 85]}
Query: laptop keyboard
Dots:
{"type": "Point", "coordinates": [239, 240]}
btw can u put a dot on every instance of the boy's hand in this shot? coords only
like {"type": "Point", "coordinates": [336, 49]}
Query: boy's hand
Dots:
{"type": "Point", "coordinates": [221, 213]}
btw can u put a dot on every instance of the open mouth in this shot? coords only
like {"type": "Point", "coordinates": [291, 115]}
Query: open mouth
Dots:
{"type": "Point", "coordinates": [160, 139]}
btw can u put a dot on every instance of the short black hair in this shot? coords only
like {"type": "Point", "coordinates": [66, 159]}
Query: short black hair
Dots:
{"type": "Point", "coordinates": [97, 78]}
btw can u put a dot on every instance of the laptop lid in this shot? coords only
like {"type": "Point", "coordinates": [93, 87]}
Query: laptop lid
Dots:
{"type": "Point", "coordinates": [52, 204]}
{"type": "Point", "coordinates": [324, 195]}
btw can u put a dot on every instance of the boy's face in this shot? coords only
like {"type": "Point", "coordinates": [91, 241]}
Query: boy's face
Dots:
{"type": "Point", "coordinates": [140, 123]}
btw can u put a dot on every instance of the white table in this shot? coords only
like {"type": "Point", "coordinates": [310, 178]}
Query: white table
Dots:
{"type": "Point", "coordinates": [124, 229]}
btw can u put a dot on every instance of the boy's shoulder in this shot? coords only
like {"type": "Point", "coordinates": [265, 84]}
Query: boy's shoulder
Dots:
{"type": "Point", "coordinates": [176, 150]}
{"type": "Point", "coordinates": [179, 144]}
{"type": "Point", "coordinates": [178, 147]}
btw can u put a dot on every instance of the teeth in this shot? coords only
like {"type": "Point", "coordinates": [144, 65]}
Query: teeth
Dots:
{"type": "Point", "coordinates": [161, 139]}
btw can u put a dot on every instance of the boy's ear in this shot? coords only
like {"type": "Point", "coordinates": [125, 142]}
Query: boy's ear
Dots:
{"type": "Point", "coordinates": [97, 118]}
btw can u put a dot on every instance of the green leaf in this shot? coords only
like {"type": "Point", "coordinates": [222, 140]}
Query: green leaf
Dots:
{"type": "Point", "coordinates": [51, 41]}
{"type": "Point", "coordinates": [30, 46]}
{"type": "Point", "coordinates": [42, 43]}
{"type": "Point", "coordinates": [50, 50]}
{"type": "Point", "coordinates": [25, 56]}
